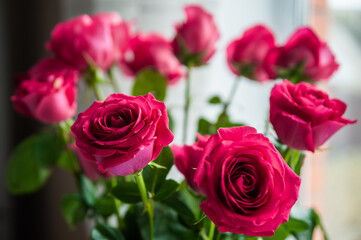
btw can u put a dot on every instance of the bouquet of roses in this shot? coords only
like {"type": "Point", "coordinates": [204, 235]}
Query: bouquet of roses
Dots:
{"type": "Point", "coordinates": [239, 184]}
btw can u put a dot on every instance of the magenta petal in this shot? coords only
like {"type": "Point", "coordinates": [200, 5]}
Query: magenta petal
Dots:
{"type": "Point", "coordinates": [321, 133]}
{"type": "Point", "coordinates": [141, 159]}
{"type": "Point", "coordinates": [293, 131]}
{"type": "Point", "coordinates": [55, 107]}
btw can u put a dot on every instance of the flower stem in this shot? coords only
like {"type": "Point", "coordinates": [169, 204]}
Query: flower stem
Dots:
{"type": "Point", "coordinates": [148, 204]}
{"type": "Point", "coordinates": [186, 105]}
{"type": "Point", "coordinates": [98, 93]}
{"type": "Point", "coordinates": [113, 80]}
{"type": "Point", "coordinates": [223, 115]}
{"type": "Point", "coordinates": [231, 94]}
{"type": "Point", "coordinates": [212, 227]}
{"type": "Point", "coordinates": [117, 204]}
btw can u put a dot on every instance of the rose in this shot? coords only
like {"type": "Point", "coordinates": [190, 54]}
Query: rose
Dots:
{"type": "Point", "coordinates": [152, 51]}
{"type": "Point", "coordinates": [120, 30]}
{"type": "Point", "coordinates": [246, 55]}
{"type": "Point", "coordinates": [249, 188]}
{"type": "Point", "coordinates": [90, 168]}
{"type": "Point", "coordinates": [303, 58]}
{"type": "Point", "coordinates": [47, 92]}
{"type": "Point", "coordinates": [186, 159]}
{"type": "Point", "coordinates": [303, 116]}
{"type": "Point", "coordinates": [85, 37]}
{"type": "Point", "coordinates": [123, 133]}
{"type": "Point", "coordinates": [195, 40]}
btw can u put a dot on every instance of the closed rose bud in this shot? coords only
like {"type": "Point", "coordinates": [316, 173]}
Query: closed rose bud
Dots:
{"type": "Point", "coordinates": [305, 117]}
{"type": "Point", "coordinates": [195, 40]}
{"type": "Point", "coordinates": [249, 187]}
{"type": "Point", "coordinates": [95, 37]}
{"type": "Point", "coordinates": [246, 55]}
{"type": "Point", "coordinates": [123, 133]}
{"type": "Point", "coordinates": [303, 58]}
{"type": "Point", "coordinates": [155, 52]}
{"type": "Point", "coordinates": [47, 92]}
{"type": "Point", "coordinates": [186, 159]}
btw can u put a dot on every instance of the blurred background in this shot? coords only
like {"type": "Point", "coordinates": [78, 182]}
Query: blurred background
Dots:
{"type": "Point", "coordinates": [330, 179]}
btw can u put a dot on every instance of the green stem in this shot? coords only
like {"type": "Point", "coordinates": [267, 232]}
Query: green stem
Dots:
{"type": "Point", "coordinates": [113, 80]}
{"type": "Point", "coordinates": [229, 101]}
{"type": "Point", "coordinates": [212, 227]}
{"type": "Point", "coordinates": [117, 204]}
{"type": "Point", "coordinates": [148, 204]}
{"type": "Point", "coordinates": [186, 105]}
{"type": "Point", "coordinates": [98, 93]}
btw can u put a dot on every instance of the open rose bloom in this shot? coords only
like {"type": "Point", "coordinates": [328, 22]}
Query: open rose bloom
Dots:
{"type": "Point", "coordinates": [152, 51]}
{"type": "Point", "coordinates": [123, 133]}
{"type": "Point", "coordinates": [249, 187]}
{"type": "Point", "coordinates": [303, 58]}
{"type": "Point", "coordinates": [47, 92]}
{"type": "Point", "coordinates": [246, 55]}
{"type": "Point", "coordinates": [195, 41]}
{"type": "Point", "coordinates": [100, 38]}
{"type": "Point", "coordinates": [305, 117]}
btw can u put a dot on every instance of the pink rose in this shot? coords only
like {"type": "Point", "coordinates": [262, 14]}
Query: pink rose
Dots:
{"type": "Point", "coordinates": [246, 55]}
{"type": "Point", "coordinates": [47, 92]}
{"type": "Point", "coordinates": [303, 116]}
{"type": "Point", "coordinates": [152, 51]}
{"type": "Point", "coordinates": [194, 43]}
{"type": "Point", "coordinates": [90, 168]}
{"type": "Point", "coordinates": [120, 30]}
{"type": "Point", "coordinates": [123, 133]}
{"type": "Point", "coordinates": [96, 37]}
{"type": "Point", "coordinates": [249, 187]}
{"type": "Point", "coordinates": [303, 57]}
{"type": "Point", "coordinates": [186, 159]}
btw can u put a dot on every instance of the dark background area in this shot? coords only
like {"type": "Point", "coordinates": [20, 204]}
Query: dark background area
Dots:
{"type": "Point", "coordinates": [25, 26]}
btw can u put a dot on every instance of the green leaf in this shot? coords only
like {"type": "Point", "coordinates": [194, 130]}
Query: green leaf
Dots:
{"type": "Point", "coordinates": [74, 209]}
{"type": "Point", "coordinates": [215, 100]}
{"type": "Point", "coordinates": [151, 81]}
{"type": "Point", "coordinates": [68, 160]}
{"type": "Point", "coordinates": [205, 127]}
{"type": "Point", "coordinates": [104, 232]}
{"type": "Point", "coordinates": [295, 225]}
{"type": "Point", "coordinates": [29, 164]}
{"type": "Point", "coordinates": [175, 203]}
{"type": "Point", "coordinates": [225, 122]}
{"type": "Point", "coordinates": [87, 190]}
{"type": "Point", "coordinates": [310, 217]}
{"type": "Point", "coordinates": [167, 225]}
{"type": "Point", "coordinates": [105, 206]}
{"type": "Point", "coordinates": [280, 234]}
{"type": "Point", "coordinates": [319, 223]}
{"type": "Point", "coordinates": [155, 177]}
{"type": "Point", "coordinates": [166, 190]}
{"type": "Point", "coordinates": [171, 121]}
{"type": "Point", "coordinates": [127, 192]}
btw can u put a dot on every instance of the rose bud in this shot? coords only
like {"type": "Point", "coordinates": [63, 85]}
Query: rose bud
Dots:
{"type": "Point", "coordinates": [152, 51]}
{"type": "Point", "coordinates": [249, 187]}
{"type": "Point", "coordinates": [123, 133]}
{"type": "Point", "coordinates": [186, 159]}
{"type": "Point", "coordinates": [303, 58]}
{"type": "Point", "coordinates": [85, 37]}
{"type": "Point", "coordinates": [303, 116]}
{"type": "Point", "coordinates": [89, 167]}
{"type": "Point", "coordinates": [246, 55]}
{"type": "Point", "coordinates": [195, 40]}
{"type": "Point", "coordinates": [47, 92]}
